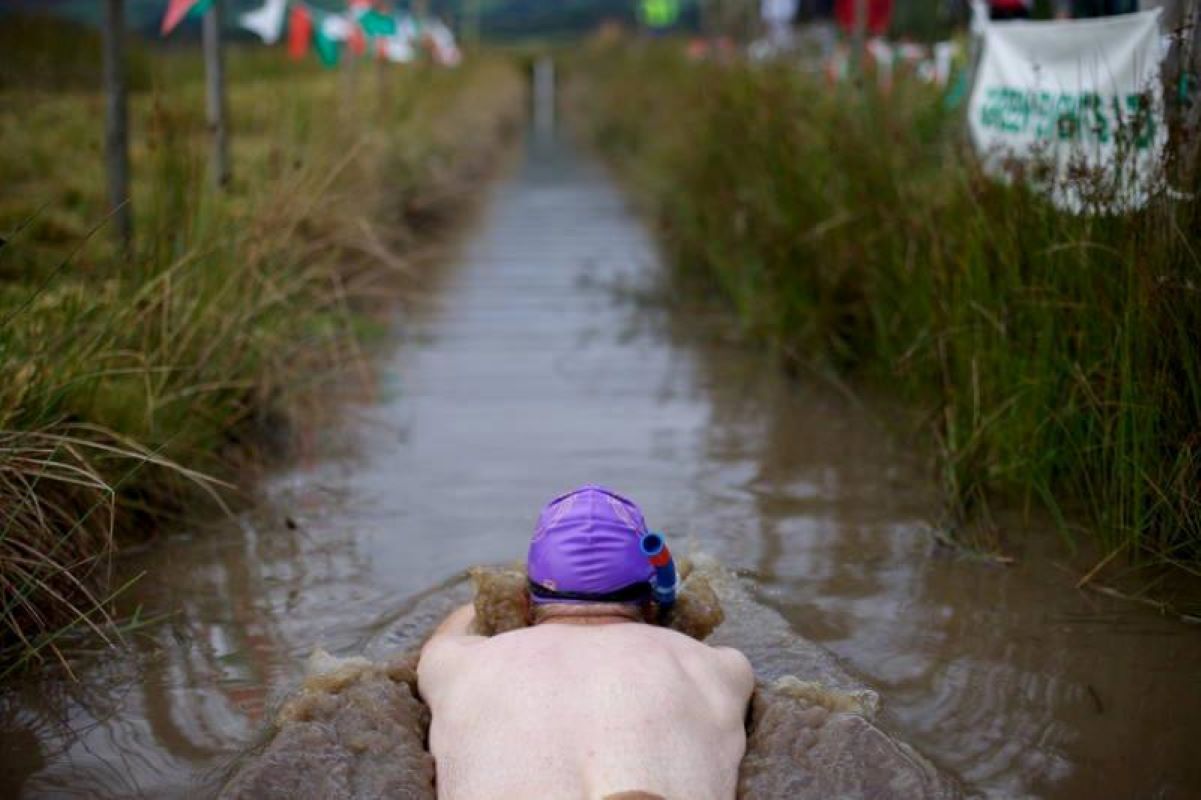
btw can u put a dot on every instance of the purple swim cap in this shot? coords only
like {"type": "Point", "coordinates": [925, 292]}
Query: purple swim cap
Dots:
{"type": "Point", "coordinates": [586, 546]}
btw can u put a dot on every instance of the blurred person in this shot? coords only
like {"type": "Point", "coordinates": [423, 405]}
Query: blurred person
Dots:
{"type": "Point", "coordinates": [815, 9]}
{"type": "Point", "coordinates": [778, 16]}
{"type": "Point", "coordinates": [590, 700]}
{"type": "Point", "coordinates": [817, 32]}
{"type": "Point", "coordinates": [1000, 10]}
{"type": "Point", "coordinates": [879, 16]}
{"type": "Point", "coordinates": [1103, 8]}
{"type": "Point", "coordinates": [1068, 9]}
{"type": "Point", "coordinates": [658, 16]}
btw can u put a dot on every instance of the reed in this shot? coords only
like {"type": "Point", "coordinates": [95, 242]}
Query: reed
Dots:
{"type": "Point", "coordinates": [136, 383]}
{"type": "Point", "coordinates": [1055, 358]}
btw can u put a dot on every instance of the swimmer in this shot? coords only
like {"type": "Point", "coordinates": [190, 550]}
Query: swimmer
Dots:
{"type": "Point", "coordinates": [590, 701]}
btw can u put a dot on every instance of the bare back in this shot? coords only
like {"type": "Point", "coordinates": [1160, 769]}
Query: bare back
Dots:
{"type": "Point", "coordinates": [571, 711]}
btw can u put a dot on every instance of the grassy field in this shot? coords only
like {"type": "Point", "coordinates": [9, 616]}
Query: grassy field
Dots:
{"type": "Point", "coordinates": [136, 383]}
{"type": "Point", "coordinates": [1054, 359]}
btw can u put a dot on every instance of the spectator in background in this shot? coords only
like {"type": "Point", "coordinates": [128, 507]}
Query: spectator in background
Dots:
{"type": "Point", "coordinates": [778, 16]}
{"type": "Point", "coordinates": [1101, 8]}
{"type": "Point", "coordinates": [1009, 9]}
{"type": "Point", "coordinates": [817, 33]}
{"type": "Point", "coordinates": [879, 16]}
{"type": "Point", "coordinates": [808, 10]}
{"type": "Point", "coordinates": [1067, 9]}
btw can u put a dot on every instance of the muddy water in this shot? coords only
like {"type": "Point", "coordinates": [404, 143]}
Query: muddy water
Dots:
{"type": "Point", "coordinates": [535, 365]}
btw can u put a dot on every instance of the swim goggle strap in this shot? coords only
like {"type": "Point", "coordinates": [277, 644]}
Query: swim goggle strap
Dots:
{"type": "Point", "coordinates": [634, 593]}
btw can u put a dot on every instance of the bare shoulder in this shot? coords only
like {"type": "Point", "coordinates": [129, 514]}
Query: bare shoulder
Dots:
{"type": "Point", "coordinates": [446, 650]}
{"type": "Point", "coordinates": [731, 666]}
{"type": "Point", "coordinates": [735, 667]}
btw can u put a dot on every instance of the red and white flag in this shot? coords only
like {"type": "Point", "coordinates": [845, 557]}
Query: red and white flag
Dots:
{"type": "Point", "coordinates": [176, 11]}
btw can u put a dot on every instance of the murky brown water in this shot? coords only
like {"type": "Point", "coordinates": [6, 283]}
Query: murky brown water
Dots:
{"type": "Point", "coordinates": [523, 374]}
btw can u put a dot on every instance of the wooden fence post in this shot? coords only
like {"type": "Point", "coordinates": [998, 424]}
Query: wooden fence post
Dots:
{"type": "Point", "coordinates": [116, 121]}
{"type": "Point", "coordinates": [1190, 70]}
{"type": "Point", "coordinates": [215, 108]}
{"type": "Point", "coordinates": [472, 30]}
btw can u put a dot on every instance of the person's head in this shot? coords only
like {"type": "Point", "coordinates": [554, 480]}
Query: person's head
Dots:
{"type": "Point", "coordinates": [585, 558]}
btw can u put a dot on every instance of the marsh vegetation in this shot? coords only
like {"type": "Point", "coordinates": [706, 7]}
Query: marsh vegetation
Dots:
{"type": "Point", "coordinates": [1052, 358]}
{"type": "Point", "coordinates": [138, 381]}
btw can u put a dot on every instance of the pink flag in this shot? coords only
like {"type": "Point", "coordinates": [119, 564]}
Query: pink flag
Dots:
{"type": "Point", "coordinates": [176, 11]}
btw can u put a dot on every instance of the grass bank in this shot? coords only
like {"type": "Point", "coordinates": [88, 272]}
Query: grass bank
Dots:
{"type": "Point", "coordinates": [136, 383]}
{"type": "Point", "coordinates": [1055, 359]}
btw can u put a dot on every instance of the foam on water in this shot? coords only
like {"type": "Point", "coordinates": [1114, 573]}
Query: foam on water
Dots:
{"type": "Point", "coordinates": [356, 729]}
{"type": "Point", "coordinates": [805, 741]}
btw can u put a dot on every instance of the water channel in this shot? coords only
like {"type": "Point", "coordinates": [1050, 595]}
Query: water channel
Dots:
{"type": "Point", "coordinates": [537, 360]}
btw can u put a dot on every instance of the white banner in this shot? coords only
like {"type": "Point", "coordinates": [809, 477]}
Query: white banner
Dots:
{"type": "Point", "coordinates": [1074, 106]}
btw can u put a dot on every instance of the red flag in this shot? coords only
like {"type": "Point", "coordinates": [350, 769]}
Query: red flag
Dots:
{"type": "Point", "coordinates": [176, 11]}
{"type": "Point", "coordinates": [300, 31]}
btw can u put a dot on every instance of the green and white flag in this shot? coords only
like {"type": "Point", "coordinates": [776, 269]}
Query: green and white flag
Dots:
{"type": "Point", "coordinates": [329, 31]}
{"type": "Point", "coordinates": [376, 24]}
{"type": "Point", "coordinates": [178, 10]}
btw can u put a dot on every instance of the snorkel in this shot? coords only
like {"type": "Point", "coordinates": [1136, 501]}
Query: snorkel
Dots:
{"type": "Point", "coordinates": [665, 582]}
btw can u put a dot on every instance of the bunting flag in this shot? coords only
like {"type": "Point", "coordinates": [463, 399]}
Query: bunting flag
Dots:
{"type": "Point", "coordinates": [396, 50]}
{"type": "Point", "coordinates": [357, 41]}
{"type": "Point", "coordinates": [401, 47]}
{"type": "Point", "coordinates": [300, 31]}
{"type": "Point", "coordinates": [178, 9]}
{"type": "Point", "coordinates": [328, 50]}
{"type": "Point", "coordinates": [445, 50]}
{"type": "Point", "coordinates": [360, 29]}
{"type": "Point", "coordinates": [328, 35]}
{"type": "Point", "coordinates": [336, 28]}
{"type": "Point", "coordinates": [375, 23]}
{"type": "Point", "coordinates": [267, 21]}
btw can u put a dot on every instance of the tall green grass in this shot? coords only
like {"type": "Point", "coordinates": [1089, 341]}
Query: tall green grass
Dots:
{"type": "Point", "coordinates": [1057, 358]}
{"type": "Point", "coordinates": [134, 384]}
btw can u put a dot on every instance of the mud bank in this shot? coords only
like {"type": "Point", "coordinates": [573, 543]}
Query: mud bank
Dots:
{"type": "Point", "coordinates": [357, 729]}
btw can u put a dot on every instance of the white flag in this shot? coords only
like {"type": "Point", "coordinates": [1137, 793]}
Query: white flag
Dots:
{"type": "Point", "coordinates": [446, 50]}
{"type": "Point", "coordinates": [267, 21]}
{"type": "Point", "coordinates": [336, 28]}
{"type": "Point", "coordinates": [397, 50]}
